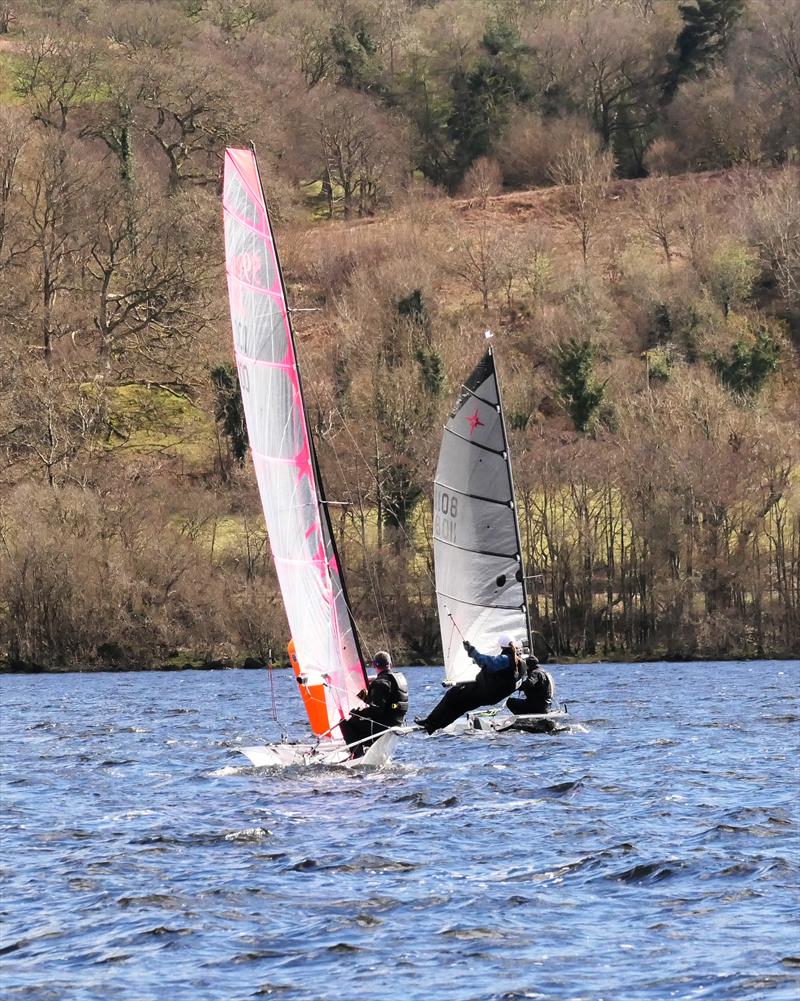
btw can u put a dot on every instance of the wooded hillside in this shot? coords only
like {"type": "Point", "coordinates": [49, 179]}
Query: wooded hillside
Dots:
{"type": "Point", "coordinates": [611, 186]}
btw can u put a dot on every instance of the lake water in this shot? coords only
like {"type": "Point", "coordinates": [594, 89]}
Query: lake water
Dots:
{"type": "Point", "coordinates": [653, 856]}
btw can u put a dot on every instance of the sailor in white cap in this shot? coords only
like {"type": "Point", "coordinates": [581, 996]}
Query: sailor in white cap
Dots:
{"type": "Point", "coordinates": [496, 680]}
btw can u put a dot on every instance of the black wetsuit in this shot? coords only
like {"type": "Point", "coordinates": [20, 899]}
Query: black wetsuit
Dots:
{"type": "Point", "coordinates": [496, 680]}
{"type": "Point", "coordinates": [536, 695]}
{"type": "Point", "coordinates": [387, 705]}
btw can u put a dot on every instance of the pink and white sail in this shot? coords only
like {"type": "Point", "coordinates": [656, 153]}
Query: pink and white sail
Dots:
{"type": "Point", "coordinates": [297, 522]}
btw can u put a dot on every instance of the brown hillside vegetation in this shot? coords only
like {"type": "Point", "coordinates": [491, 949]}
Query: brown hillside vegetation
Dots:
{"type": "Point", "coordinates": [624, 218]}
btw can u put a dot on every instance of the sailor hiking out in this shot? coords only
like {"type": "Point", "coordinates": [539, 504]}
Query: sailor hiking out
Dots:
{"type": "Point", "coordinates": [386, 700]}
{"type": "Point", "coordinates": [496, 680]}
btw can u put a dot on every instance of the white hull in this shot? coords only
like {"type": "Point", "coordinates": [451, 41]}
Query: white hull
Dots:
{"type": "Point", "coordinates": [329, 753]}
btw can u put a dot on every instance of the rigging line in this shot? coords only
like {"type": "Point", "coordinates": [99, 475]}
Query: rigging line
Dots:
{"type": "Point", "coordinates": [372, 574]}
{"type": "Point", "coordinates": [272, 687]}
{"type": "Point", "coordinates": [452, 637]}
{"type": "Point", "coordinates": [371, 577]}
{"type": "Point", "coordinates": [406, 536]}
{"type": "Point", "coordinates": [337, 691]}
{"type": "Point", "coordinates": [275, 716]}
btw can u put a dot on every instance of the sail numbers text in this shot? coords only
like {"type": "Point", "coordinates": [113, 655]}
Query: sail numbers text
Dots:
{"type": "Point", "coordinates": [445, 514]}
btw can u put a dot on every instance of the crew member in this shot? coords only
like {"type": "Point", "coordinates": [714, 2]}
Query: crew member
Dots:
{"type": "Point", "coordinates": [496, 680]}
{"type": "Point", "coordinates": [536, 693]}
{"type": "Point", "coordinates": [386, 700]}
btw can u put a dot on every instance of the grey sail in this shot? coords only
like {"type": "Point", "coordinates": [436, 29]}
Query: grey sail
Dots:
{"type": "Point", "coordinates": [480, 584]}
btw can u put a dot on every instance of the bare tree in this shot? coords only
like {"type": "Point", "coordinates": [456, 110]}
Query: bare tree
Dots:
{"type": "Point", "coordinates": [614, 66]}
{"type": "Point", "coordinates": [362, 153]}
{"type": "Point", "coordinates": [57, 73]}
{"type": "Point", "coordinates": [50, 420]}
{"type": "Point", "coordinates": [696, 210]}
{"type": "Point", "coordinates": [50, 235]}
{"type": "Point", "coordinates": [523, 264]}
{"type": "Point", "coordinates": [483, 179]}
{"type": "Point", "coordinates": [188, 112]}
{"type": "Point", "coordinates": [14, 133]}
{"type": "Point", "coordinates": [654, 206]}
{"type": "Point", "coordinates": [779, 23]}
{"type": "Point", "coordinates": [137, 28]}
{"type": "Point", "coordinates": [308, 34]}
{"type": "Point", "coordinates": [8, 16]}
{"type": "Point", "coordinates": [774, 224]}
{"type": "Point", "coordinates": [475, 255]}
{"type": "Point", "coordinates": [392, 25]}
{"type": "Point", "coordinates": [585, 171]}
{"type": "Point", "coordinates": [145, 285]}
{"type": "Point", "coordinates": [720, 122]}
{"type": "Point", "coordinates": [531, 142]}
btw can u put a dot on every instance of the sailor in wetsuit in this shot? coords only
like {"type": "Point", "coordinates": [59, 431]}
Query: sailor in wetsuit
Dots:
{"type": "Point", "coordinates": [536, 692]}
{"type": "Point", "coordinates": [386, 706]}
{"type": "Point", "coordinates": [496, 680]}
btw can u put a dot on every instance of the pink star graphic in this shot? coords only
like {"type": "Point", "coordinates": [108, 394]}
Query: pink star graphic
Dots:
{"type": "Point", "coordinates": [474, 422]}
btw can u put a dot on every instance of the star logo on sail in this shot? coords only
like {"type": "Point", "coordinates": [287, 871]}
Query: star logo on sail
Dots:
{"type": "Point", "coordinates": [474, 422]}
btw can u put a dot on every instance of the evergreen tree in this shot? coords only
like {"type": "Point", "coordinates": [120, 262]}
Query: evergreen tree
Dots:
{"type": "Point", "coordinates": [483, 97]}
{"type": "Point", "coordinates": [707, 28]}
{"type": "Point", "coordinates": [580, 391]}
{"type": "Point", "coordinates": [228, 409]}
{"type": "Point", "coordinates": [413, 309]}
{"type": "Point", "coordinates": [429, 110]}
{"type": "Point", "coordinates": [432, 370]}
{"type": "Point", "coordinates": [354, 52]}
{"type": "Point", "coordinates": [750, 364]}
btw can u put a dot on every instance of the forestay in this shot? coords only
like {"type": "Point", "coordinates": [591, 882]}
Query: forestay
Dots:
{"type": "Point", "coordinates": [288, 481]}
{"type": "Point", "coordinates": [480, 584]}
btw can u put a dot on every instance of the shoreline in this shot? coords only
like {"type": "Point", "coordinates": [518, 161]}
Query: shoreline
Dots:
{"type": "Point", "coordinates": [250, 665]}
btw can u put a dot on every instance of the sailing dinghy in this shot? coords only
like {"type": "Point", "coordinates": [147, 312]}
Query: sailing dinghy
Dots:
{"type": "Point", "coordinates": [477, 551]}
{"type": "Point", "coordinates": [329, 666]}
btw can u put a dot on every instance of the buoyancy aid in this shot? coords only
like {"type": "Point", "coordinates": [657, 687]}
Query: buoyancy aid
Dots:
{"type": "Point", "coordinates": [539, 687]}
{"type": "Point", "coordinates": [388, 693]}
{"type": "Point", "coordinates": [400, 685]}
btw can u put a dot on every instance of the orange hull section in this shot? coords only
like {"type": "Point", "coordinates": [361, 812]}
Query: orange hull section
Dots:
{"type": "Point", "coordinates": [313, 697]}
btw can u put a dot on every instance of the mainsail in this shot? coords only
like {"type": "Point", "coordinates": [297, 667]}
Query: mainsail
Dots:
{"type": "Point", "coordinates": [480, 584]}
{"type": "Point", "coordinates": [297, 519]}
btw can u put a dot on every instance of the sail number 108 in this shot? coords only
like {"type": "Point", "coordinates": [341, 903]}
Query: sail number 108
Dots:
{"type": "Point", "coordinates": [445, 514]}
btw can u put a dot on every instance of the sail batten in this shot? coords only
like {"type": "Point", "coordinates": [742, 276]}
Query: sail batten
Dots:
{"type": "Point", "coordinates": [298, 525]}
{"type": "Point", "coordinates": [479, 604]}
{"type": "Point", "coordinates": [467, 549]}
{"type": "Point", "coordinates": [263, 361]}
{"type": "Point", "coordinates": [480, 399]}
{"type": "Point", "coordinates": [475, 444]}
{"type": "Point", "coordinates": [480, 583]}
{"type": "Point", "coordinates": [476, 497]}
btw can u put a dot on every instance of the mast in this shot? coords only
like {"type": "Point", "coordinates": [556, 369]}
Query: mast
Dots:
{"type": "Point", "coordinates": [514, 503]}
